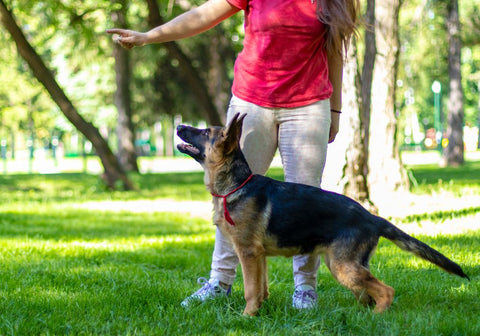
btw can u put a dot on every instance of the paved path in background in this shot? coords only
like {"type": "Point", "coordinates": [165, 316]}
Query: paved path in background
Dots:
{"type": "Point", "coordinates": [44, 164]}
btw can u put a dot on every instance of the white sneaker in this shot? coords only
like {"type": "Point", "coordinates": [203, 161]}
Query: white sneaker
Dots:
{"type": "Point", "coordinates": [210, 290]}
{"type": "Point", "coordinates": [304, 297]}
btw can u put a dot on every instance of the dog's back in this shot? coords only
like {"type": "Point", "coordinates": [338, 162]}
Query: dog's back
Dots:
{"type": "Point", "coordinates": [311, 219]}
{"type": "Point", "coordinates": [308, 217]}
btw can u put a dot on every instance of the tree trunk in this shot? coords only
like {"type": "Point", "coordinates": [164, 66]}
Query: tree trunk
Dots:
{"type": "Point", "coordinates": [125, 130]}
{"type": "Point", "coordinates": [357, 188]}
{"type": "Point", "coordinates": [478, 117]}
{"type": "Point", "coordinates": [355, 168]}
{"type": "Point", "coordinates": [454, 152]}
{"type": "Point", "coordinates": [354, 123]}
{"type": "Point", "coordinates": [366, 77]}
{"type": "Point", "coordinates": [196, 83]}
{"type": "Point", "coordinates": [218, 82]}
{"type": "Point", "coordinates": [386, 172]}
{"type": "Point", "coordinates": [112, 170]}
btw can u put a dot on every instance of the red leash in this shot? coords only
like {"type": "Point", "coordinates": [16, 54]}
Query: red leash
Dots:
{"type": "Point", "coordinates": [225, 210]}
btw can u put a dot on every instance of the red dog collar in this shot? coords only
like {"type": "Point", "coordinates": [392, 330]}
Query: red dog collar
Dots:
{"type": "Point", "coordinates": [225, 210]}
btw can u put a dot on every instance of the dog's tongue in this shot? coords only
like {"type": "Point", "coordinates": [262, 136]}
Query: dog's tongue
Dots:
{"type": "Point", "coordinates": [190, 148]}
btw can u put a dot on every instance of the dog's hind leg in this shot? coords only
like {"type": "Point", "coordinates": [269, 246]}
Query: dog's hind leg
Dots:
{"type": "Point", "coordinates": [361, 294]}
{"type": "Point", "coordinates": [362, 283]}
{"type": "Point", "coordinates": [381, 293]}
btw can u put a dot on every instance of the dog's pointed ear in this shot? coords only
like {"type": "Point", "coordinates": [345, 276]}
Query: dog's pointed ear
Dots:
{"type": "Point", "coordinates": [233, 132]}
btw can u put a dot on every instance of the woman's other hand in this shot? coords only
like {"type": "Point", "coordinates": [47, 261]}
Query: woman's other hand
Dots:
{"type": "Point", "coordinates": [334, 126]}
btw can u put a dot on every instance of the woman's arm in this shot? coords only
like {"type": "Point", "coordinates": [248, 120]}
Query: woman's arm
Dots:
{"type": "Point", "coordinates": [190, 23]}
{"type": "Point", "coordinates": [335, 75]}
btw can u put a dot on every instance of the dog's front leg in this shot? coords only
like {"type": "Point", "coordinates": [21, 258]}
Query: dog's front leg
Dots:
{"type": "Point", "coordinates": [253, 264]}
{"type": "Point", "coordinates": [265, 279]}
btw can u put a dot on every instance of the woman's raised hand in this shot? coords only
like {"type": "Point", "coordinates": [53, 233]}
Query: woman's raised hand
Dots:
{"type": "Point", "coordinates": [128, 38]}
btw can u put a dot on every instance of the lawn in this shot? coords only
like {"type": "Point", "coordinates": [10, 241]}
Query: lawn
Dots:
{"type": "Point", "coordinates": [76, 259]}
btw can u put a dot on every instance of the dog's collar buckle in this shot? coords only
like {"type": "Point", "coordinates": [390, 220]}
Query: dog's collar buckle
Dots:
{"type": "Point", "coordinates": [226, 214]}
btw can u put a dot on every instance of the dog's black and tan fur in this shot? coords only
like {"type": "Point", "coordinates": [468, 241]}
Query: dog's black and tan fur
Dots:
{"type": "Point", "coordinates": [277, 218]}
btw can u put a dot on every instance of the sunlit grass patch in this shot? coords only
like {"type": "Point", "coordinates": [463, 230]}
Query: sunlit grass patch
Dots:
{"type": "Point", "coordinates": [460, 181]}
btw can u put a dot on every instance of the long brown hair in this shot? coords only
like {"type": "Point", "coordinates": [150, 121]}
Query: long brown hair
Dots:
{"type": "Point", "coordinates": [341, 20]}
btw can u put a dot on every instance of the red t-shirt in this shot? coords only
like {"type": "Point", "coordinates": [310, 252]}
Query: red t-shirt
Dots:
{"type": "Point", "coordinates": [283, 62]}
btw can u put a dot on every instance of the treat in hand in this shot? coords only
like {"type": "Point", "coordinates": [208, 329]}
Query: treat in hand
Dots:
{"type": "Point", "coordinates": [116, 38]}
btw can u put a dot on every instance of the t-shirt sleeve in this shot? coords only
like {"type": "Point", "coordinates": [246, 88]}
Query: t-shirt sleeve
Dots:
{"type": "Point", "coordinates": [242, 4]}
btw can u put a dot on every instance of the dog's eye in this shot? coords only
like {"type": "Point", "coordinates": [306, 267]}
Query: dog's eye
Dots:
{"type": "Point", "coordinates": [206, 132]}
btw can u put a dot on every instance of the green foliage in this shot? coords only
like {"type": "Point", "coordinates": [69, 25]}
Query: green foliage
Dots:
{"type": "Point", "coordinates": [69, 268]}
{"type": "Point", "coordinates": [423, 59]}
{"type": "Point", "coordinates": [23, 103]}
{"type": "Point", "coordinates": [67, 37]}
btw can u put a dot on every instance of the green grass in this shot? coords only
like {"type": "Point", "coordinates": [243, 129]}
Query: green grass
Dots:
{"type": "Point", "coordinates": [70, 270]}
{"type": "Point", "coordinates": [455, 180]}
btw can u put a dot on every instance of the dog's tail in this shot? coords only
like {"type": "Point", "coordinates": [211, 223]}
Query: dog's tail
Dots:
{"type": "Point", "coordinates": [415, 246]}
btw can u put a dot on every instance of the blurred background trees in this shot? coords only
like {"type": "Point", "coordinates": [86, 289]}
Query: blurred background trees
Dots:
{"type": "Point", "coordinates": [424, 61]}
{"type": "Point", "coordinates": [135, 98]}
{"type": "Point", "coordinates": [140, 90]}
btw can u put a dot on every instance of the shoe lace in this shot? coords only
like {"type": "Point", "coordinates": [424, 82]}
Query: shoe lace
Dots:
{"type": "Point", "coordinates": [206, 286]}
{"type": "Point", "coordinates": [307, 295]}
{"type": "Point", "coordinates": [202, 281]}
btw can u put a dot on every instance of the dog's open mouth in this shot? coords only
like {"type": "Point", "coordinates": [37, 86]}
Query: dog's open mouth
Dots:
{"type": "Point", "coordinates": [192, 145]}
{"type": "Point", "coordinates": [188, 149]}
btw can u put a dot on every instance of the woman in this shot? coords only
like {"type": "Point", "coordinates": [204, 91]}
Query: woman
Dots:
{"type": "Point", "coordinates": [288, 78]}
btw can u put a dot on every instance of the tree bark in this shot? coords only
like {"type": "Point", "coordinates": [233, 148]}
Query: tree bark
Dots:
{"type": "Point", "coordinates": [478, 116]}
{"type": "Point", "coordinates": [112, 170]}
{"type": "Point", "coordinates": [355, 168]}
{"type": "Point", "coordinates": [218, 82]}
{"type": "Point", "coordinates": [125, 130]}
{"type": "Point", "coordinates": [353, 138]}
{"type": "Point", "coordinates": [454, 151]}
{"type": "Point", "coordinates": [357, 164]}
{"type": "Point", "coordinates": [196, 83]}
{"type": "Point", "coordinates": [366, 77]}
{"type": "Point", "coordinates": [386, 172]}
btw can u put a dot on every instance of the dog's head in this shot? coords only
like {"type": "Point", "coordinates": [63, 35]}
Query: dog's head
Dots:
{"type": "Point", "coordinates": [213, 144]}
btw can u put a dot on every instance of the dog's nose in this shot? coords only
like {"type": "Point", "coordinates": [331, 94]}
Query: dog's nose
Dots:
{"type": "Point", "coordinates": [180, 127]}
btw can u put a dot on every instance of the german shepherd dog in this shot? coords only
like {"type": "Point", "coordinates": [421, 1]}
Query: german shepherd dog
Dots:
{"type": "Point", "coordinates": [264, 217]}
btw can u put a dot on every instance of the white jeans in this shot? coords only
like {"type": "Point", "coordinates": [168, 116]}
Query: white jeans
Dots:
{"type": "Point", "coordinates": [301, 136]}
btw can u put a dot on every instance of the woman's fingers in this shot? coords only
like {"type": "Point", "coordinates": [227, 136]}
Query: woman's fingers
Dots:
{"type": "Point", "coordinates": [123, 37]}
